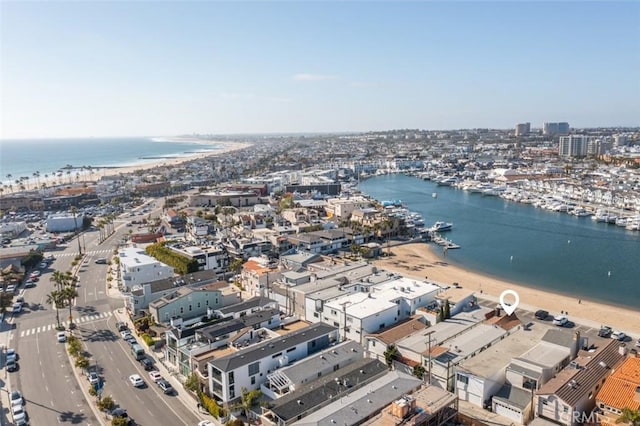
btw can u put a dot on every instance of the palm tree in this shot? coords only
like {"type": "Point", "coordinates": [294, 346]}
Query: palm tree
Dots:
{"type": "Point", "coordinates": [55, 299]}
{"type": "Point", "coordinates": [59, 278]}
{"type": "Point", "coordinates": [74, 210]}
{"type": "Point", "coordinates": [69, 293]}
{"type": "Point", "coordinates": [390, 354]}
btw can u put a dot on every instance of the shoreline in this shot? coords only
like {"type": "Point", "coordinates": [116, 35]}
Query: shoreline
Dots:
{"type": "Point", "coordinates": [96, 172]}
{"type": "Point", "coordinates": [419, 260]}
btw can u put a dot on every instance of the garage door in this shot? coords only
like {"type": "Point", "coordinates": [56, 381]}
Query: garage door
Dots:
{"type": "Point", "coordinates": [507, 412]}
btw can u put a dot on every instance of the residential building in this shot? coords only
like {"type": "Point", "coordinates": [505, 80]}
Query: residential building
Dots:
{"type": "Point", "coordinates": [549, 129]}
{"type": "Point", "coordinates": [294, 377]}
{"type": "Point", "coordinates": [190, 348]}
{"type": "Point", "coordinates": [523, 129]}
{"type": "Point", "coordinates": [343, 207]}
{"type": "Point", "coordinates": [257, 275]}
{"type": "Point", "coordinates": [376, 344]}
{"type": "Point", "coordinates": [459, 299]}
{"type": "Point", "coordinates": [143, 294]}
{"type": "Point", "coordinates": [222, 198]}
{"type": "Point", "coordinates": [570, 396]}
{"type": "Point", "coordinates": [429, 406]}
{"type": "Point", "coordinates": [187, 303]}
{"type": "Point", "coordinates": [209, 257]}
{"type": "Point", "coordinates": [246, 307]}
{"type": "Point", "coordinates": [250, 367]}
{"type": "Point", "coordinates": [573, 145]}
{"type": "Point", "coordinates": [365, 402]}
{"type": "Point", "coordinates": [361, 313]}
{"type": "Point", "coordinates": [482, 376]}
{"type": "Point", "coordinates": [136, 267]}
{"type": "Point", "coordinates": [620, 390]}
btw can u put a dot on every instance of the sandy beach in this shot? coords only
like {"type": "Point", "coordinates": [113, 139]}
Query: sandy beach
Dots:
{"type": "Point", "coordinates": [420, 260]}
{"type": "Point", "coordinates": [95, 173]}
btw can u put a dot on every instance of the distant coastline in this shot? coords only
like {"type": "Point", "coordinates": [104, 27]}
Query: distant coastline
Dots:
{"type": "Point", "coordinates": [65, 161]}
{"type": "Point", "coordinates": [85, 159]}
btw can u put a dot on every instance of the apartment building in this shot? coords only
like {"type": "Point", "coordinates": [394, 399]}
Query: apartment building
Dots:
{"type": "Point", "coordinates": [136, 268]}
{"type": "Point", "coordinates": [250, 367]}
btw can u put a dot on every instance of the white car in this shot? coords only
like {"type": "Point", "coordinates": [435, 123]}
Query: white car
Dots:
{"type": "Point", "coordinates": [16, 308]}
{"type": "Point", "coordinates": [560, 320]}
{"type": "Point", "coordinates": [61, 336]}
{"type": "Point", "coordinates": [155, 376]}
{"type": "Point", "coordinates": [11, 355]}
{"type": "Point", "coordinates": [618, 335]}
{"type": "Point", "coordinates": [19, 415]}
{"type": "Point", "coordinates": [125, 334]}
{"type": "Point", "coordinates": [136, 380]}
{"type": "Point", "coordinates": [16, 398]}
{"type": "Point", "coordinates": [205, 423]}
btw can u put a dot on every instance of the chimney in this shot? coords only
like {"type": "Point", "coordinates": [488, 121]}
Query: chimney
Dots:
{"type": "Point", "coordinates": [622, 349]}
{"type": "Point", "coordinates": [575, 345]}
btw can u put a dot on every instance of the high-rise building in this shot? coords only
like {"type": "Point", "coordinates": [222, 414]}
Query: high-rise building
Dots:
{"type": "Point", "coordinates": [561, 128]}
{"type": "Point", "coordinates": [523, 129]}
{"type": "Point", "coordinates": [573, 146]}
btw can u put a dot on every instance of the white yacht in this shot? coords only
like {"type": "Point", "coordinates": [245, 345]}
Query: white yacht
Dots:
{"type": "Point", "coordinates": [441, 227]}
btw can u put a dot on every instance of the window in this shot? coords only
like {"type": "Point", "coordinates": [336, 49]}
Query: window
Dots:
{"type": "Point", "coordinates": [231, 378]}
{"type": "Point", "coordinates": [335, 324]}
{"type": "Point", "coordinates": [198, 305]}
{"type": "Point", "coordinates": [545, 402]}
{"type": "Point", "coordinates": [254, 368]}
{"type": "Point", "coordinates": [253, 380]}
{"type": "Point", "coordinates": [291, 349]}
{"type": "Point", "coordinates": [232, 392]}
{"type": "Point", "coordinates": [333, 312]}
{"type": "Point", "coordinates": [276, 355]}
{"type": "Point", "coordinates": [565, 409]}
{"type": "Point", "coordinates": [315, 314]}
{"type": "Point", "coordinates": [207, 303]}
{"type": "Point", "coordinates": [181, 310]}
{"type": "Point", "coordinates": [190, 307]}
{"type": "Point", "coordinates": [463, 379]}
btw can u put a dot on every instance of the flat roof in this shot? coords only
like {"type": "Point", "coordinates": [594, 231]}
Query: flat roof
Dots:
{"type": "Point", "coordinates": [444, 330]}
{"type": "Point", "coordinates": [254, 302]}
{"type": "Point", "coordinates": [472, 340]}
{"type": "Point", "coordinates": [545, 354]}
{"type": "Point", "coordinates": [362, 305]}
{"type": "Point", "coordinates": [454, 294]}
{"type": "Point", "coordinates": [364, 402]}
{"type": "Point", "coordinates": [499, 355]}
{"type": "Point", "coordinates": [221, 329]}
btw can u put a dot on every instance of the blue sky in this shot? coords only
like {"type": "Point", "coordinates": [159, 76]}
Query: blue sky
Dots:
{"type": "Point", "coordinates": [164, 68]}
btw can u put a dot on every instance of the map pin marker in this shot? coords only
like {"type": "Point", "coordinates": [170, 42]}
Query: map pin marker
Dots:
{"type": "Point", "coordinates": [509, 307]}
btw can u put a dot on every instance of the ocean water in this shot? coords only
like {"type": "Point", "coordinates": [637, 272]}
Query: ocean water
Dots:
{"type": "Point", "coordinates": [24, 157]}
{"type": "Point", "coordinates": [525, 245]}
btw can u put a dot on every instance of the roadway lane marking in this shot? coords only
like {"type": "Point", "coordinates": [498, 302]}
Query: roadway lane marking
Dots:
{"type": "Point", "coordinates": [38, 330]}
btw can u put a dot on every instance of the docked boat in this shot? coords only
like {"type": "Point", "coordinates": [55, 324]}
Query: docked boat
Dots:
{"type": "Point", "coordinates": [441, 227]}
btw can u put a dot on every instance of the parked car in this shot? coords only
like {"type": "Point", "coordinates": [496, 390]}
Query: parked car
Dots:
{"type": "Point", "coordinates": [16, 308]}
{"type": "Point", "coordinates": [605, 331]}
{"type": "Point", "coordinates": [11, 366]}
{"type": "Point", "coordinates": [29, 283]}
{"type": "Point", "coordinates": [136, 380]}
{"type": "Point", "coordinates": [93, 378]}
{"type": "Point", "coordinates": [61, 336]}
{"type": "Point", "coordinates": [560, 320]}
{"type": "Point", "coordinates": [146, 364]}
{"type": "Point", "coordinates": [101, 261]}
{"type": "Point", "coordinates": [165, 386]}
{"type": "Point", "coordinates": [11, 288]}
{"type": "Point", "coordinates": [16, 398]}
{"type": "Point", "coordinates": [122, 326]}
{"type": "Point", "coordinates": [618, 335]}
{"type": "Point", "coordinates": [19, 415]}
{"type": "Point", "coordinates": [125, 334]}
{"type": "Point", "coordinates": [205, 423]}
{"type": "Point", "coordinates": [155, 376]}
{"type": "Point", "coordinates": [35, 273]}
{"type": "Point", "coordinates": [11, 354]}
{"type": "Point", "coordinates": [541, 314]}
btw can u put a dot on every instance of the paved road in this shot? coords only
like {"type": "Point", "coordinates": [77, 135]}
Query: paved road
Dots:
{"type": "Point", "coordinates": [45, 376]}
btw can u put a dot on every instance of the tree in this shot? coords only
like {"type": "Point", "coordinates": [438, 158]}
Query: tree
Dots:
{"type": "Point", "coordinates": [446, 310]}
{"type": "Point", "coordinates": [106, 404]}
{"type": "Point", "coordinates": [248, 399]}
{"type": "Point", "coordinates": [391, 354]}
{"type": "Point", "coordinates": [119, 421]}
{"type": "Point", "coordinates": [69, 293]}
{"type": "Point", "coordinates": [236, 265]}
{"type": "Point", "coordinates": [418, 371]}
{"type": "Point", "coordinates": [629, 416]}
{"type": "Point", "coordinates": [74, 211]}
{"type": "Point", "coordinates": [55, 298]}
{"type": "Point", "coordinates": [82, 362]}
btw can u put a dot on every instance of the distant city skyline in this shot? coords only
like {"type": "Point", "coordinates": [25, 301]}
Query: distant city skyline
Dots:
{"type": "Point", "coordinates": [104, 69]}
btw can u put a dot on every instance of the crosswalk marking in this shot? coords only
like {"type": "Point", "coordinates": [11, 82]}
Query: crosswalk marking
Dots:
{"type": "Point", "coordinates": [91, 252]}
{"type": "Point", "coordinates": [82, 319]}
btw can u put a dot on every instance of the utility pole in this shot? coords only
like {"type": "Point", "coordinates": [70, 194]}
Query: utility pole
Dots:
{"type": "Point", "coordinates": [429, 351]}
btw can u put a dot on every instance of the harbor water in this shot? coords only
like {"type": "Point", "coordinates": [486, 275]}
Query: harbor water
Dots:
{"type": "Point", "coordinates": [522, 244]}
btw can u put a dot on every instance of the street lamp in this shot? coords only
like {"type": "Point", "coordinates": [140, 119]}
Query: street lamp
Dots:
{"type": "Point", "coordinates": [429, 351]}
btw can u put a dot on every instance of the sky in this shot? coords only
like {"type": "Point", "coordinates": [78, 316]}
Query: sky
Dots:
{"type": "Point", "coordinates": [144, 68]}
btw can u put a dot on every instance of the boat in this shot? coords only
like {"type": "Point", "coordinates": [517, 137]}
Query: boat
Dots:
{"type": "Point", "coordinates": [441, 227]}
{"type": "Point", "coordinates": [447, 181]}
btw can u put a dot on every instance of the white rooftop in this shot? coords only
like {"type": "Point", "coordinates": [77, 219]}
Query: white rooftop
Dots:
{"type": "Point", "coordinates": [360, 305]}
{"type": "Point", "coordinates": [131, 256]}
